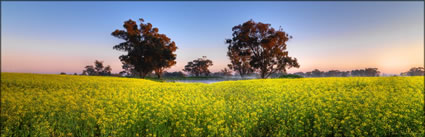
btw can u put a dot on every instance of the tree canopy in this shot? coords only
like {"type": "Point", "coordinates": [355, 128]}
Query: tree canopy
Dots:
{"type": "Point", "coordinates": [147, 50]}
{"type": "Point", "coordinates": [239, 61]}
{"type": "Point", "coordinates": [259, 47]}
{"type": "Point", "coordinates": [199, 66]}
{"type": "Point", "coordinates": [97, 70]}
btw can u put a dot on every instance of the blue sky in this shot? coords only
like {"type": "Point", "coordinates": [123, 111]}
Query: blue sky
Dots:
{"type": "Point", "coordinates": [53, 37]}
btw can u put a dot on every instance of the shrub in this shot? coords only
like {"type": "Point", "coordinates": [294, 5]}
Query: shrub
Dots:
{"type": "Point", "coordinates": [291, 76]}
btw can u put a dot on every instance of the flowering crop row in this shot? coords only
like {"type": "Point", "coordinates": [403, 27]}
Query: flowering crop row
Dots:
{"type": "Point", "coordinates": [60, 105]}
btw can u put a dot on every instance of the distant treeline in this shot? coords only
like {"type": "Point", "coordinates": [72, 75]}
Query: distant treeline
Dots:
{"type": "Point", "coordinates": [415, 71]}
{"type": "Point", "coordinates": [99, 70]}
{"type": "Point", "coordinates": [367, 72]}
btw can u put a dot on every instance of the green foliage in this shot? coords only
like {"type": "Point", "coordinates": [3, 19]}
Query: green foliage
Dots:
{"type": "Point", "coordinates": [173, 74]}
{"type": "Point", "coordinates": [97, 70]}
{"type": "Point", "coordinates": [199, 66]}
{"type": "Point", "coordinates": [290, 76]}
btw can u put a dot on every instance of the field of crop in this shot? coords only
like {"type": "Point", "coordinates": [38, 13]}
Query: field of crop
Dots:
{"type": "Point", "coordinates": [64, 105]}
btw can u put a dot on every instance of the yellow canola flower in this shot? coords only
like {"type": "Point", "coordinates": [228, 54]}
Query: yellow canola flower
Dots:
{"type": "Point", "coordinates": [56, 105]}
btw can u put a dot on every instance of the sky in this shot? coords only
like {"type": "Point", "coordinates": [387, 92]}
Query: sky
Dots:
{"type": "Point", "coordinates": [54, 37]}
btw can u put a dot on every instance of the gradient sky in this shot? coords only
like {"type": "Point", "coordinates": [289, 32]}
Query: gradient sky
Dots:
{"type": "Point", "coordinates": [53, 37]}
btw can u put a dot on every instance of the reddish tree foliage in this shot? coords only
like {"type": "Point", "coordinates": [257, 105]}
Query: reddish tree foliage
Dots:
{"type": "Point", "coordinates": [259, 47]}
{"type": "Point", "coordinates": [147, 50]}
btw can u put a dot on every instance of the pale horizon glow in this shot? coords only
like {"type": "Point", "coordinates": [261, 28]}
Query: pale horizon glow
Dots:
{"type": "Point", "coordinates": [54, 37]}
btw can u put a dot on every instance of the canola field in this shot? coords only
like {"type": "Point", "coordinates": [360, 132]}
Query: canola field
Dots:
{"type": "Point", "coordinates": [64, 105]}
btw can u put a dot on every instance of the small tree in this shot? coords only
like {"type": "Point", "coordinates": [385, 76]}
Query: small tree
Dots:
{"type": "Point", "coordinates": [262, 46]}
{"type": "Point", "coordinates": [97, 69]}
{"type": "Point", "coordinates": [199, 66]}
{"type": "Point", "coordinates": [192, 68]}
{"type": "Point", "coordinates": [106, 71]}
{"type": "Point", "coordinates": [89, 70]}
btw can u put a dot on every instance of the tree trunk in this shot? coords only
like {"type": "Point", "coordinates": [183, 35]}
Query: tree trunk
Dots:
{"type": "Point", "coordinates": [158, 73]}
{"type": "Point", "coordinates": [141, 75]}
{"type": "Point", "coordinates": [263, 74]}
